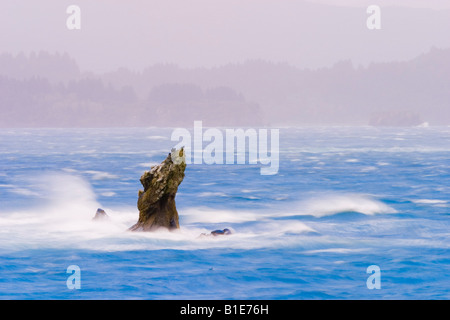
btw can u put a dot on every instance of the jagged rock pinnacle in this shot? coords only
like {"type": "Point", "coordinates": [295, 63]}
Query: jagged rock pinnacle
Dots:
{"type": "Point", "coordinates": [156, 203]}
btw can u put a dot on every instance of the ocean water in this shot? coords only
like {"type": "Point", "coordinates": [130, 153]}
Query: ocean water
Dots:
{"type": "Point", "coordinates": [344, 199]}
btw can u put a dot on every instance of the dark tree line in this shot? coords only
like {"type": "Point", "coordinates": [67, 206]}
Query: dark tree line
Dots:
{"type": "Point", "coordinates": [49, 90]}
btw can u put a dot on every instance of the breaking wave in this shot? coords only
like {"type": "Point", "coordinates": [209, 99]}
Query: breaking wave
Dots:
{"type": "Point", "coordinates": [331, 204]}
{"type": "Point", "coordinates": [63, 219]}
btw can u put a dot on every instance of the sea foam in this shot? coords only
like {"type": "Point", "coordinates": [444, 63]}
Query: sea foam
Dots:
{"type": "Point", "coordinates": [330, 204]}
{"type": "Point", "coordinates": [63, 219]}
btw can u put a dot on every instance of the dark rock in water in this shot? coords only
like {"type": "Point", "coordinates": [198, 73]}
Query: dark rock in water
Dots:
{"type": "Point", "coordinates": [100, 215]}
{"type": "Point", "coordinates": [221, 232]}
{"type": "Point", "coordinates": [217, 233]}
{"type": "Point", "coordinates": [156, 203]}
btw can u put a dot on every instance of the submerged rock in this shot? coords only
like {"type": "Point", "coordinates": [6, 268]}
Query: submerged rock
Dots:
{"type": "Point", "coordinates": [215, 233]}
{"type": "Point", "coordinates": [156, 203]}
{"type": "Point", "coordinates": [100, 215]}
{"type": "Point", "coordinates": [221, 232]}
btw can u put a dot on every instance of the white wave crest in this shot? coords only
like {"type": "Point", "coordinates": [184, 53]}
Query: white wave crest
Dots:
{"type": "Point", "coordinates": [65, 221]}
{"type": "Point", "coordinates": [326, 205]}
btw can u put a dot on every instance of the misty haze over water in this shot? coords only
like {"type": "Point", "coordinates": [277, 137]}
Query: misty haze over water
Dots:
{"type": "Point", "coordinates": [227, 63]}
{"type": "Point", "coordinates": [90, 93]}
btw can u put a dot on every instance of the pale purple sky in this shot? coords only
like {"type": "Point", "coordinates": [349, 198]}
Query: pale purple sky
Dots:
{"type": "Point", "coordinates": [195, 33]}
{"type": "Point", "coordinates": [430, 4]}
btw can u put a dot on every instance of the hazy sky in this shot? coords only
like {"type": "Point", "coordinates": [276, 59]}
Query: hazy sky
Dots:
{"type": "Point", "coordinates": [193, 33]}
{"type": "Point", "coordinates": [431, 4]}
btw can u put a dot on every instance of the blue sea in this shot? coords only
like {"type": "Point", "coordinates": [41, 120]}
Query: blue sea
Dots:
{"type": "Point", "coordinates": [344, 199]}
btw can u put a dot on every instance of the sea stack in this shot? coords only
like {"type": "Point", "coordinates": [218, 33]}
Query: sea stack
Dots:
{"type": "Point", "coordinates": [100, 215]}
{"type": "Point", "coordinates": [156, 203]}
